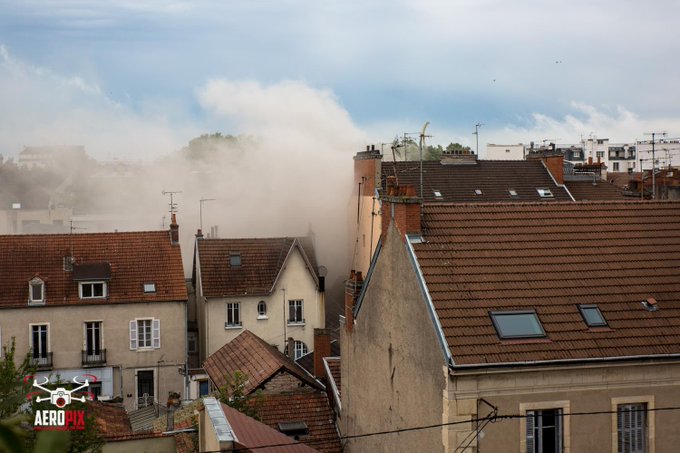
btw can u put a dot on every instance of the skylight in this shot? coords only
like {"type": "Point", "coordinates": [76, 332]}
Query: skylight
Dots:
{"type": "Point", "coordinates": [517, 324]}
{"type": "Point", "coordinates": [592, 316]}
{"type": "Point", "coordinates": [544, 192]}
{"type": "Point", "coordinates": [513, 192]}
{"type": "Point", "coordinates": [149, 287]}
{"type": "Point", "coordinates": [437, 195]}
{"type": "Point", "coordinates": [478, 191]}
{"type": "Point", "coordinates": [235, 259]}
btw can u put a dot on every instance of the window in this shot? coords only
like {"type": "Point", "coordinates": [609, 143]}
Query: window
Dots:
{"type": "Point", "coordinates": [544, 192]}
{"type": "Point", "coordinates": [544, 431]}
{"type": "Point", "coordinates": [95, 390]}
{"type": "Point", "coordinates": [599, 154]}
{"type": "Point", "coordinates": [149, 287]}
{"type": "Point", "coordinates": [233, 315]}
{"type": "Point", "coordinates": [437, 195]}
{"type": "Point", "coordinates": [145, 334]}
{"type": "Point", "coordinates": [36, 291]}
{"type": "Point", "coordinates": [478, 191]}
{"type": "Point", "coordinates": [299, 348]}
{"type": "Point", "coordinates": [203, 388]}
{"type": "Point", "coordinates": [93, 352]}
{"type": "Point", "coordinates": [616, 166]}
{"type": "Point", "coordinates": [92, 290]}
{"type": "Point", "coordinates": [235, 259]}
{"type": "Point", "coordinates": [631, 428]}
{"type": "Point", "coordinates": [192, 343]}
{"type": "Point", "coordinates": [262, 310]}
{"type": "Point", "coordinates": [295, 312]}
{"type": "Point", "coordinates": [513, 193]}
{"type": "Point", "coordinates": [592, 316]}
{"type": "Point", "coordinates": [40, 346]}
{"type": "Point", "coordinates": [517, 324]}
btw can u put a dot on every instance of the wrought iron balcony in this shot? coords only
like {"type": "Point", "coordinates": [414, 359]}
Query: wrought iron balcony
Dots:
{"type": "Point", "coordinates": [42, 362]}
{"type": "Point", "coordinates": [91, 358]}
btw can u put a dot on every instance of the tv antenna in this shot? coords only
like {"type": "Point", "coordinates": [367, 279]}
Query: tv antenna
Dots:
{"type": "Point", "coordinates": [421, 145]}
{"type": "Point", "coordinates": [654, 134]}
{"type": "Point", "coordinates": [476, 133]}
{"type": "Point", "coordinates": [200, 210]}
{"type": "Point", "coordinates": [173, 205]}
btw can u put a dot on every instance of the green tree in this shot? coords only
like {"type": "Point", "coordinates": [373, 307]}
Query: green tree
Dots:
{"type": "Point", "coordinates": [233, 395]}
{"type": "Point", "coordinates": [14, 384]}
{"type": "Point", "coordinates": [457, 148]}
{"type": "Point", "coordinates": [433, 152]}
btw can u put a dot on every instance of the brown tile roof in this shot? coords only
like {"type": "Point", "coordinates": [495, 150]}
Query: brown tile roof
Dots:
{"type": "Point", "coordinates": [251, 355]}
{"type": "Point", "coordinates": [261, 262]}
{"type": "Point", "coordinates": [112, 419]}
{"type": "Point", "coordinates": [334, 367]}
{"type": "Point", "coordinates": [252, 434]}
{"type": "Point", "coordinates": [135, 258]}
{"type": "Point", "coordinates": [310, 407]}
{"type": "Point", "coordinates": [552, 257]}
{"type": "Point", "coordinates": [457, 183]}
{"type": "Point", "coordinates": [603, 190]}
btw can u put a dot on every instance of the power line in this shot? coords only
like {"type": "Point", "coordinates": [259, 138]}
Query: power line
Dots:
{"type": "Point", "coordinates": [487, 419]}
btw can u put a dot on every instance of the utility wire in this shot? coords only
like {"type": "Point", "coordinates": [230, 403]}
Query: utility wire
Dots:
{"type": "Point", "coordinates": [492, 419]}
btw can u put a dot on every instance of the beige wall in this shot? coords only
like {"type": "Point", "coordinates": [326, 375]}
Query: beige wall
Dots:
{"type": "Point", "coordinates": [393, 373]}
{"type": "Point", "coordinates": [297, 282]}
{"type": "Point", "coordinates": [576, 389]}
{"type": "Point", "coordinates": [149, 445]}
{"type": "Point", "coordinates": [66, 341]}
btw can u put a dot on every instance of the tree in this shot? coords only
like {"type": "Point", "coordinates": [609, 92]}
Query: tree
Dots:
{"type": "Point", "coordinates": [433, 152]}
{"type": "Point", "coordinates": [14, 385]}
{"type": "Point", "coordinates": [233, 395]}
{"type": "Point", "coordinates": [457, 148]}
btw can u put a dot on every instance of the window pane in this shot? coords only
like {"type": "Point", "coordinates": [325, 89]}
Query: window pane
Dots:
{"type": "Point", "coordinates": [87, 290]}
{"type": "Point", "coordinates": [592, 315]}
{"type": "Point", "coordinates": [517, 325]}
{"type": "Point", "coordinates": [36, 289]}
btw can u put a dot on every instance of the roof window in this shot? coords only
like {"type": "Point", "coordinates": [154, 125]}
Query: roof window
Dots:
{"type": "Point", "coordinates": [294, 429]}
{"type": "Point", "coordinates": [544, 192]}
{"type": "Point", "coordinates": [592, 316]}
{"type": "Point", "coordinates": [437, 195]}
{"type": "Point", "coordinates": [478, 191]}
{"type": "Point", "coordinates": [517, 324]}
{"type": "Point", "coordinates": [513, 193]}
{"type": "Point", "coordinates": [235, 259]}
{"type": "Point", "coordinates": [149, 287]}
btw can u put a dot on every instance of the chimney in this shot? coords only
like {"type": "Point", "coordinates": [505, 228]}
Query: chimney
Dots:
{"type": "Point", "coordinates": [199, 234]}
{"type": "Point", "coordinates": [402, 206]}
{"type": "Point", "coordinates": [353, 287]}
{"type": "Point", "coordinates": [174, 230]}
{"type": "Point", "coordinates": [291, 348]}
{"type": "Point", "coordinates": [367, 170]}
{"type": "Point", "coordinates": [322, 348]}
{"type": "Point", "coordinates": [555, 164]}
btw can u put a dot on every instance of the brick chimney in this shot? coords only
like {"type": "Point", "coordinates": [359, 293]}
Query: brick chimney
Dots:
{"type": "Point", "coordinates": [402, 206]}
{"type": "Point", "coordinates": [353, 287]}
{"type": "Point", "coordinates": [174, 230]}
{"type": "Point", "coordinates": [555, 164]}
{"type": "Point", "coordinates": [322, 348]}
{"type": "Point", "coordinates": [199, 234]}
{"type": "Point", "coordinates": [367, 170]}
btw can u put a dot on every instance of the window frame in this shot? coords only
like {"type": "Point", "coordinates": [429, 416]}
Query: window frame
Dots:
{"type": "Point", "coordinates": [47, 340]}
{"type": "Point", "coordinates": [93, 282]}
{"type": "Point", "coordinates": [582, 309]}
{"type": "Point", "coordinates": [564, 406]}
{"type": "Point", "coordinates": [499, 332]}
{"type": "Point", "coordinates": [235, 309]}
{"type": "Point", "coordinates": [296, 320]}
{"type": "Point", "coordinates": [650, 419]}
{"type": "Point", "coordinates": [149, 287]}
{"type": "Point", "coordinates": [262, 310]}
{"type": "Point", "coordinates": [36, 281]}
{"type": "Point", "coordinates": [135, 331]}
{"type": "Point", "coordinates": [87, 335]}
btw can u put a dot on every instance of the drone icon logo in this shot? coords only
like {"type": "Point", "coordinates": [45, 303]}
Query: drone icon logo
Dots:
{"type": "Point", "coordinates": [60, 396]}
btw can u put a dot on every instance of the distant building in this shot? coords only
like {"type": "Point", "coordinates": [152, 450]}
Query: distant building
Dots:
{"type": "Point", "coordinates": [505, 152]}
{"type": "Point", "coordinates": [48, 156]}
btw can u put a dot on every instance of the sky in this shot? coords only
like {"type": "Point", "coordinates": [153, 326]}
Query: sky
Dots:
{"type": "Point", "coordinates": [138, 79]}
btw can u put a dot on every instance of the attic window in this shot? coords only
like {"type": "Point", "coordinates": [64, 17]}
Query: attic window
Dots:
{"type": "Point", "coordinates": [544, 192]}
{"type": "Point", "coordinates": [517, 324]}
{"type": "Point", "coordinates": [478, 191]}
{"type": "Point", "coordinates": [36, 291]}
{"type": "Point", "coordinates": [294, 429]}
{"type": "Point", "coordinates": [592, 316]}
{"type": "Point", "coordinates": [235, 259]}
{"type": "Point", "coordinates": [149, 287]}
{"type": "Point", "coordinates": [513, 193]}
{"type": "Point", "coordinates": [437, 195]}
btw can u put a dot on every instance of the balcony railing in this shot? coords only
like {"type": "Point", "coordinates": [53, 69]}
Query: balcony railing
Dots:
{"type": "Point", "coordinates": [43, 362]}
{"type": "Point", "coordinates": [94, 359]}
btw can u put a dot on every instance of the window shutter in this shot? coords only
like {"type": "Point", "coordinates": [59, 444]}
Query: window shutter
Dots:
{"type": "Point", "coordinates": [133, 335]}
{"type": "Point", "coordinates": [531, 421]}
{"type": "Point", "coordinates": [156, 333]}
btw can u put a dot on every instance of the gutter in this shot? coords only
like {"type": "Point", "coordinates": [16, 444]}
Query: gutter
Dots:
{"type": "Point", "coordinates": [430, 305]}
{"type": "Point", "coordinates": [555, 181]}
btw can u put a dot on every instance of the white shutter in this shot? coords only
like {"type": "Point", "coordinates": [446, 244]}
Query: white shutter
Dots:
{"type": "Point", "coordinates": [530, 419]}
{"type": "Point", "coordinates": [133, 335]}
{"type": "Point", "coordinates": [156, 333]}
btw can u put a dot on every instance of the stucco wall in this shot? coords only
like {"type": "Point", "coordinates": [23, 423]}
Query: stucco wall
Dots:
{"type": "Point", "coordinates": [66, 341]}
{"type": "Point", "coordinates": [596, 388]}
{"type": "Point", "coordinates": [297, 282]}
{"type": "Point", "coordinates": [393, 373]}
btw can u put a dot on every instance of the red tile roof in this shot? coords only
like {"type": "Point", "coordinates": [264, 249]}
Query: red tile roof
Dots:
{"type": "Point", "coordinates": [112, 419]}
{"type": "Point", "coordinates": [552, 257]}
{"type": "Point", "coordinates": [135, 258]}
{"type": "Point", "coordinates": [334, 368]}
{"type": "Point", "coordinates": [261, 263]}
{"type": "Point", "coordinates": [457, 183]}
{"type": "Point", "coordinates": [251, 355]}
{"type": "Point", "coordinates": [310, 407]}
{"type": "Point", "coordinates": [252, 434]}
{"type": "Point", "coordinates": [603, 190]}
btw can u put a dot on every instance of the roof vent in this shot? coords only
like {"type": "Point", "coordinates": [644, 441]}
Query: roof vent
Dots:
{"type": "Point", "coordinates": [650, 304]}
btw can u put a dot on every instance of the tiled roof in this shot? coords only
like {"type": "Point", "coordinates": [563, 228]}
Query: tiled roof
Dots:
{"type": "Point", "coordinates": [457, 183]}
{"type": "Point", "coordinates": [252, 434]}
{"type": "Point", "coordinates": [603, 190]}
{"type": "Point", "coordinates": [550, 258]}
{"type": "Point", "coordinates": [112, 419]}
{"type": "Point", "coordinates": [334, 367]}
{"type": "Point", "coordinates": [307, 360]}
{"type": "Point", "coordinates": [251, 355]}
{"type": "Point", "coordinates": [135, 258]}
{"type": "Point", "coordinates": [310, 407]}
{"type": "Point", "coordinates": [261, 262]}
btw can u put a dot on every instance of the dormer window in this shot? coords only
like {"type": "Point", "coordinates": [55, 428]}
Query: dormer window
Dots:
{"type": "Point", "coordinates": [92, 290]}
{"type": "Point", "coordinates": [36, 291]}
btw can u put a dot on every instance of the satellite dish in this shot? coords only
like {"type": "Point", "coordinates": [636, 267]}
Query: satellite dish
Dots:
{"type": "Point", "coordinates": [323, 271]}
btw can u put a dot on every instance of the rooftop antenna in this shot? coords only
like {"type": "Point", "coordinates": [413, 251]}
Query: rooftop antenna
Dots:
{"type": "Point", "coordinates": [200, 210]}
{"type": "Point", "coordinates": [654, 134]}
{"type": "Point", "coordinates": [476, 132]}
{"type": "Point", "coordinates": [173, 205]}
{"type": "Point", "coordinates": [72, 228]}
{"type": "Point", "coordinates": [422, 143]}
